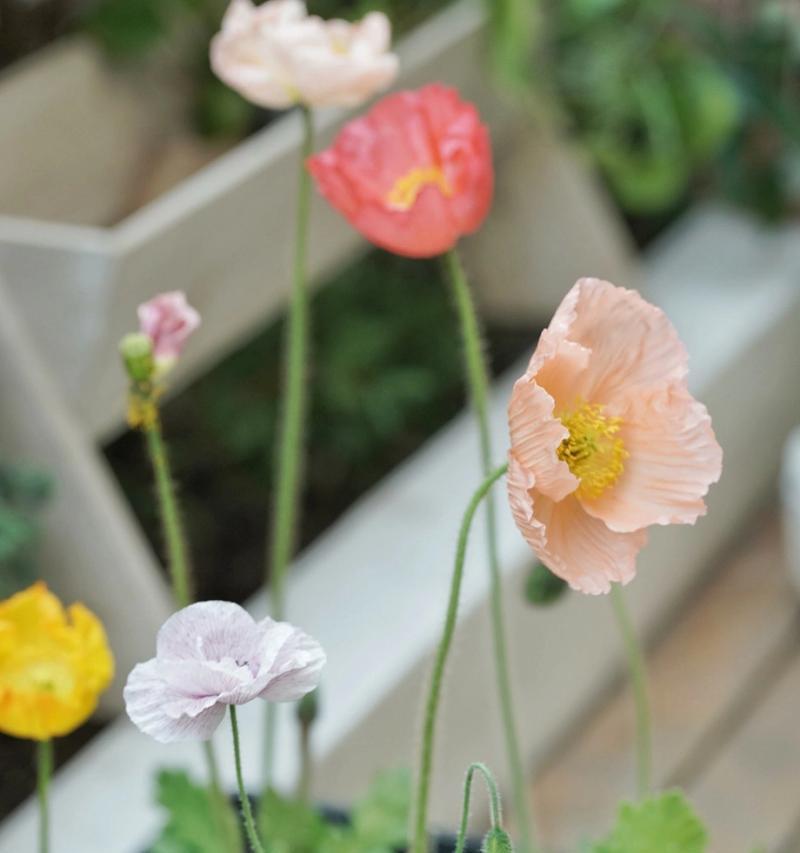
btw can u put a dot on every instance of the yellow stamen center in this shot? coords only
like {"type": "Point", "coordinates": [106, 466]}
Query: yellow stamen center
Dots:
{"type": "Point", "coordinates": [41, 676]}
{"type": "Point", "coordinates": [406, 189]}
{"type": "Point", "coordinates": [592, 452]}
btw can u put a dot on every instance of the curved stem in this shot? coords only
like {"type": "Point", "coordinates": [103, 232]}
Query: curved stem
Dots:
{"type": "Point", "coordinates": [494, 802]}
{"type": "Point", "coordinates": [636, 667]}
{"type": "Point", "coordinates": [174, 537]}
{"type": "Point", "coordinates": [435, 689]}
{"type": "Point", "coordinates": [244, 800]}
{"type": "Point", "coordinates": [44, 770]}
{"type": "Point", "coordinates": [290, 441]}
{"type": "Point", "coordinates": [478, 380]}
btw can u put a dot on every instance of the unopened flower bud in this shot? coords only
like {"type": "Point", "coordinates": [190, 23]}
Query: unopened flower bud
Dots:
{"type": "Point", "coordinates": [308, 708]}
{"type": "Point", "coordinates": [137, 354]}
{"type": "Point", "coordinates": [542, 587]}
{"type": "Point", "coordinates": [497, 841]}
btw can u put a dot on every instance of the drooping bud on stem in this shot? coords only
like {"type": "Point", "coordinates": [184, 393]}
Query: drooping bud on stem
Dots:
{"type": "Point", "coordinates": [497, 841]}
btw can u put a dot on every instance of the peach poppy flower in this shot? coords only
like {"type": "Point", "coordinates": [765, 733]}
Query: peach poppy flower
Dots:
{"type": "Point", "coordinates": [606, 439]}
{"type": "Point", "coordinates": [414, 174]}
{"type": "Point", "coordinates": [277, 55]}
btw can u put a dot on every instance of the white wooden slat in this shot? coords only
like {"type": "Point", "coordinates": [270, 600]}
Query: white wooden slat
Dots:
{"type": "Point", "coordinates": [91, 550]}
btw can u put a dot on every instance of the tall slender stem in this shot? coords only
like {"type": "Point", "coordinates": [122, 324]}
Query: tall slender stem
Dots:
{"type": "Point", "coordinates": [478, 380]}
{"type": "Point", "coordinates": [636, 667]}
{"type": "Point", "coordinates": [44, 770]}
{"type": "Point", "coordinates": [178, 565]}
{"type": "Point", "coordinates": [171, 522]}
{"type": "Point", "coordinates": [290, 442]}
{"type": "Point", "coordinates": [247, 812]}
{"type": "Point", "coordinates": [495, 811]}
{"type": "Point", "coordinates": [435, 689]}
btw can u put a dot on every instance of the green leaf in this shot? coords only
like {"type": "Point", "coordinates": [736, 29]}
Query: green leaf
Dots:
{"type": "Point", "coordinates": [197, 822]}
{"type": "Point", "coordinates": [662, 824]}
{"type": "Point", "coordinates": [380, 819]}
{"type": "Point", "coordinates": [288, 826]}
{"type": "Point", "coordinates": [542, 587]}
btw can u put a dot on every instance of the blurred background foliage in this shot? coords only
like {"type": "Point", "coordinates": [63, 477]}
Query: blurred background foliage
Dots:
{"type": "Point", "coordinates": [24, 492]}
{"type": "Point", "coordinates": [669, 98]}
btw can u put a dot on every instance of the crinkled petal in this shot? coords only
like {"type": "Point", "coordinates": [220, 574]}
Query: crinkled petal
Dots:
{"type": "Point", "coordinates": [673, 459]}
{"type": "Point", "coordinates": [296, 669]}
{"type": "Point", "coordinates": [536, 436]}
{"type": "Point", "coordinates": [209, 630]}
{"type": "Point", "coordinates": [634, 347]}
{"type": "Point", "coordinates": [580, 549]}
{"type": "Point", "coordinates": [159, 710]}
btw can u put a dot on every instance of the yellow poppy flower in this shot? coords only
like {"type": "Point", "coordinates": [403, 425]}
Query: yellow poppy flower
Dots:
{"type": "Point", "coordinates": [54, 664]}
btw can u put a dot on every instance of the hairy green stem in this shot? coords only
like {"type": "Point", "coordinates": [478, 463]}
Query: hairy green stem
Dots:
{"type": "Point", "coordinates": [244, 800]}
{"type": "Point", "coordinates": [435, 689]}
{"type": "Point", "coordinates": [44, 770]}
{"type": "Point", "coordinates": [174, 536]}
{"type": "Point", "coordinates": [478, 381]}
{"type": "Point", "coordinates": [496, 813]}
{"type": "Point", "coordinates": [178, 563]}
{"type": "Point", "coordinates": [636, 667]}
{"type": "Point", "coordinates": [290, 442]}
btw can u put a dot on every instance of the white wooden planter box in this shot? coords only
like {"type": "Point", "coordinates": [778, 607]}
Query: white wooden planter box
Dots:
{"type": "Point", "coordinates": [69, 154]}
{"type": "Point", "coordinates": [373, 588]}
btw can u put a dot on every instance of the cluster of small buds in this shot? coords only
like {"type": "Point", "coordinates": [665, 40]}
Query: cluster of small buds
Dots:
{"type": "Point", "coordinates": [165, 324]}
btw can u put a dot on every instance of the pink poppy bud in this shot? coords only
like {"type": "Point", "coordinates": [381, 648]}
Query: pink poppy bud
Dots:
{"type": "Point", "coordinates": [167, 320]}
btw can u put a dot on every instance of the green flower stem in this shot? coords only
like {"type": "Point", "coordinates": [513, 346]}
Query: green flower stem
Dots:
{"type": "Point", "coordinates": [494, 802]}
{"type": "Point", "coordinates": [174, 536]}
{"type": "Point", "coordinates": [290, 443]}
{"type": "Point", "coordinates": [44, 770]}
{"type": "Point", "coordinates": [178, 562]}
{"type": "Point", "coordinates": [306, 765]}
{"type": "Point", "coordinates": [636, 667]}
{"type": "Point", "coordinates": [420, 844]}
{"type": "Point", "coordinates": [478, 380]}
{"type": "Point", "coordinates": [247, 812]}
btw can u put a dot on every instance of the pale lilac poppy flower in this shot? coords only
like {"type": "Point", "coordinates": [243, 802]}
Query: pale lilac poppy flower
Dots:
{"type": "Point", "coordinates": [211, 655]}
{"type": "Point", "coordinates": [167, 320]}
{"type": "Point", "coordinates": [277, 55]}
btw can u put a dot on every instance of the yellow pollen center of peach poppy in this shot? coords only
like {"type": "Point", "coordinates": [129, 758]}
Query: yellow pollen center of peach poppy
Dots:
{"type": "Point", "coordinates": [407, 188]}
{"type": "Point", "coordinates": [592, 452]}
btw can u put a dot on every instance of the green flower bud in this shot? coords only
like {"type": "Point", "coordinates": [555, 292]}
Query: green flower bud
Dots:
{"type": "Point", "coordinates": [542, 587]}
{"type": "Point", "coordinates": [308, 708]}
{"type": "Point", "coordinates": [497, 841]}
{"type": "Point", "coordinates": [137, 354]}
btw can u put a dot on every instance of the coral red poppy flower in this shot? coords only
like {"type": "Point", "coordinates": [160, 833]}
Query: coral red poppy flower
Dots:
{"type": "Point", "coordinates": [606, 439]}
{"type": "Point", "coordinates": [414, 174]}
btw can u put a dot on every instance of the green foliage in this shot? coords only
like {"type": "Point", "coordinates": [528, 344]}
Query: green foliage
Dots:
{"type": "Point", "coordinates": [661, 824]}
{"type": "Point", "coordinates": [196, 822]}
{"type": "Point", "coordinates": [542, 587]}
{"type": "Point", "coordinates": [24, 491]}
{"type": "Point", "coordinates": [665, 95]}
{"type": "Point", "coordinates": [378, 824]}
